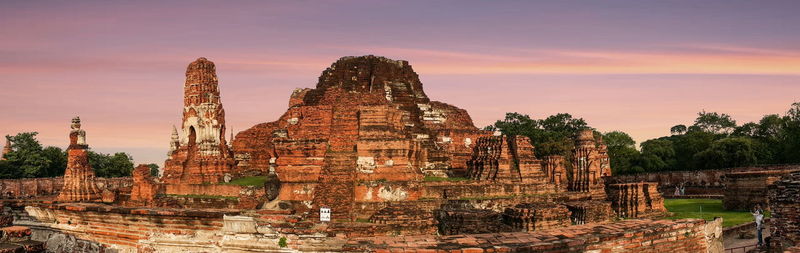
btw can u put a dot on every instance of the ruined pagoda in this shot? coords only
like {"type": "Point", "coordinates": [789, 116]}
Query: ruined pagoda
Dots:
{"type": "Point", "coordinates": [200, 154]}
{"type": "Point", "coordinates": [79, 178]}
{"type": "Point", "coordinates": [590, 165]}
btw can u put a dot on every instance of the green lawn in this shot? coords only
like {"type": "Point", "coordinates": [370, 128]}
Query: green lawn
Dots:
{"type": "Point", "coordinates": [249, 181]}
{"type": "Point", "coordinates": [706, 209]}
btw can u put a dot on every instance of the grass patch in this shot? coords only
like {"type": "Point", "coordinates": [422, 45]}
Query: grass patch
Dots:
{"type": "Point", "coordinates": [440, 179]}
{"type": "Point", "coordinates": [691, 208]}
{"type": "Point", "coordinates": [198, 196]}
{"type": "Point", "coordinates": [248, 181]}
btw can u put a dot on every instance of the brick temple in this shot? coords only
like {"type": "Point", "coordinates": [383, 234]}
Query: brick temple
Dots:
{"type": "Point", "coordinates": [394, 169]}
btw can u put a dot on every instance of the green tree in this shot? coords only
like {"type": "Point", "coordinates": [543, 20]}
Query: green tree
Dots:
{"type": "Point", "coordinates": [678, 129]}
{"type": "Point", "coordinates": [749, 129]}
{"type": "Point", "coordinates": [517, 124]}
{"type": "Point", "coordinates": [58, 161]}
{"type": "Point", "coordinates": [718, 123]}
{"type": "Point", "coordinates": [7, 171]}
{"type": "Point", "coordinates": [658, 155]}
{"type": "Point", "coordinates": [622, 152]}
{"type": "Point", "coordinates": [118, 165]}
{"type": "Point", "coordinates": [727, 153]}
{"type": "Point", "coordinates": [26, 156]}
{"type": "Point", "coordinates": [551, 136]}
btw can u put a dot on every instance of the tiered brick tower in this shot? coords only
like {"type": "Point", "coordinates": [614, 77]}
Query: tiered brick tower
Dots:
{"type": "Point", "coordinates": [6, 150]}
{"type": "Point", "coordinates": [587, 166]}
{"type": "Point", "coordinates": [367, 123]}
{"type": "Point", "coordinates": [201, 155]}
{"type": "Point", "coordinates": [79, 183]}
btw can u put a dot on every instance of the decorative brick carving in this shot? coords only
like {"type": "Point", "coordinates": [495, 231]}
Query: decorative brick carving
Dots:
{"type": "Point", "coordinates": [200, 153]}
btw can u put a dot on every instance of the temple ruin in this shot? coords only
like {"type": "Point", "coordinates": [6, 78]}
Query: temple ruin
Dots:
{"type": "Point", "coordinates": [363, 162]}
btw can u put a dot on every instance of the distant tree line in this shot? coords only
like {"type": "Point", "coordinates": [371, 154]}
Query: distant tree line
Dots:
{"type": "Point", "coordinates": [28, 159]}
{"type": "Point", "coordinates": [713, 141]}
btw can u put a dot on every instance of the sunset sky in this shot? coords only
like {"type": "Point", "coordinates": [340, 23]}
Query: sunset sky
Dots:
{"type": "Point", "coordinates": [635, 66]}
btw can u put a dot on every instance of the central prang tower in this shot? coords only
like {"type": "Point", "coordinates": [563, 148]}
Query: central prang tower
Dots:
{"type": "Point", "coordinates": [200, 153]}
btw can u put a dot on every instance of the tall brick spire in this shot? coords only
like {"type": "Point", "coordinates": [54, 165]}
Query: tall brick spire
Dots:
{"type": "Point", "coordinates": [79, 178]}
{"type": "Point", "coordinates": [200, 154]}
{"type": "Point", "coordinates": [203, 115]}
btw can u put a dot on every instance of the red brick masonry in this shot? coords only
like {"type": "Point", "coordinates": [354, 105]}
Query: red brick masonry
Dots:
{"type": "Point", "coordinates": [625, 236]}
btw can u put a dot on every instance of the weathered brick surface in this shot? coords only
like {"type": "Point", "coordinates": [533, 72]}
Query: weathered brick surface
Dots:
{"type": "Point", "coordinates": [44, 187]}
{"type": "Point", "coordinates": [624, 236]}
{"type": "Point", "coordinates": [589, 211]}
{"type": "Point", "coordinates": [636, 200]}
{"type": "Point", "coordinates": [79, 179]}
{"type": "Point", "coordinates": [145, 188]}
{"type": "Point", "coordinates": [537, 216]}
{"type": "Point", "coordinates": [367, 122]}
{"type": "Point", "coordinates": [200, 153]}
{"type": "Point", "coordinates": [504, 158]}
{"type": "Point", "coordinates": [784, 199]}
{"type": "Point", "coordinates": [460, 218]}
{"type": "Point", "coordinates": [696, 182]}
{"type": "Point", "coordinates": [554, 167]}
{"type": "Point", "coordinates": [590, 166]}
{"type": "Point", "coordinates": [744, 190]}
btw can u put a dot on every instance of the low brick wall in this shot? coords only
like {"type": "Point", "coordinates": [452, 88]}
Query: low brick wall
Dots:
{"type": "Point", "coordinates": [35, 187]}
{"type": "Point", "coordinates": [745, 190]}
{"type": "Point", "coordinates": [691, 235]}
{"type": "Point", "coordinates": [695, 182]}
{"type": "Point", "coordinates": [204, 189]}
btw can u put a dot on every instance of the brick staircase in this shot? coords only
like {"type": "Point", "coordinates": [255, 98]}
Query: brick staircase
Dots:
{"type": "Point", "coordinates": [337, 180]}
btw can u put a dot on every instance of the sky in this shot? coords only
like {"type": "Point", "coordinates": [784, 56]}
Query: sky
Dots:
{"type": "Point", "coordinates": [633, 66]}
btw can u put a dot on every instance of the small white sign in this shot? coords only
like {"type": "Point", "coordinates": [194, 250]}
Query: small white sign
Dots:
{"type": "Point", "coordinates": [324, 214]}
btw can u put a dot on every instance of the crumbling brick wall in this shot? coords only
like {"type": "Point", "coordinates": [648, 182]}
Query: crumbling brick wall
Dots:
{"type": "Point", "coordinates": [456, 217]}
{"type": "Point", "coordinates": [37, 187]}
{"type": "Point", "coordinates": [636, 200]}
{"type": "Point", "coordinates": [784, 199]}
{"type": "Point", "coordinates": [626, 236]}
{"type": "Point", "coordinates": [505, 158]}
{"type": "Point", "coordinates": [537, 216]}
{"type": "Point", "coordinates": [696, 182]}
{"type": "Point", "coordinates": [745, 190]}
